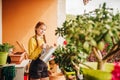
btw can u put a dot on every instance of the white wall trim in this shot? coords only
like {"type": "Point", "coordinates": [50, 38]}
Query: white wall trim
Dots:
{"type": "Point", "coordinates": [61, 16]}
{"type": "Point", "coordinates": [0, 21]}
{"type": "Point", "coordinates": [61, 12]}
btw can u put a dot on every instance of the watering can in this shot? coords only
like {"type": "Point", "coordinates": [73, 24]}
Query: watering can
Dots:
{"type": "Point", "coordinates": [47, 54]}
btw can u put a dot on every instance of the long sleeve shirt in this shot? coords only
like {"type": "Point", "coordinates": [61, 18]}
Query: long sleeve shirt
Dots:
{"type": "Point", "coordinates": [33, 49]}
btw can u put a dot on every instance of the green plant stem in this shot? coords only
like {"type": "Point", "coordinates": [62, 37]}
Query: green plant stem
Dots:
{"type": "Point", "coordinates": [98, 55]}
{"type": "Point", "coordinates": [99, 58]}
{"type": "Point", "coordinates": [100, 65]}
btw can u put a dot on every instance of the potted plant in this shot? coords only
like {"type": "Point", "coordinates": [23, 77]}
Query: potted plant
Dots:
{"type": "Point", "coordinates": [96, 32]}
{"type": "Point", "coordinates": [4, 49]}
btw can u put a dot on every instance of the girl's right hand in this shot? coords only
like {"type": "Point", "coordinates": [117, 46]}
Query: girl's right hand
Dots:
{"type": "Point", "coordinates": [44, 46]}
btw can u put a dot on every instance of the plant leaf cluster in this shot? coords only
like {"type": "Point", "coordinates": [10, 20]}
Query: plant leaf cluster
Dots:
{"type": "Point", "coordinates": [5, 47]}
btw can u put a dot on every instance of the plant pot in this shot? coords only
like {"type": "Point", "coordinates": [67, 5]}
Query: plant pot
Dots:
{"type": "Point", "coordinates": [90, 74]}
{"type": "Point", "coordinates": [96, 75]}
{"type": "Point", "coordinates": [57, 76]}
{"type": "Point", "coordinates": [17, 57]}
{"type": "Point", "coordinates": [3, 58]}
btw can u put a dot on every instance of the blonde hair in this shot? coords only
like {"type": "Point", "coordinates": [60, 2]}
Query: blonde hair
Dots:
{"type": "Point", "coordinates": [37, 26]}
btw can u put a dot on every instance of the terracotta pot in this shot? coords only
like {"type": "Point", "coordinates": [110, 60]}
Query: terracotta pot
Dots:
{"type": "Point", "coordinates": [57, 76]}
{"type": "Point", "coordinates": [17, 57]}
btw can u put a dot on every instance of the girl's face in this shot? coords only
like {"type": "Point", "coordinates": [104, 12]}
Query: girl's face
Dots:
{"type": "Point", "coordinates": [41, 30]}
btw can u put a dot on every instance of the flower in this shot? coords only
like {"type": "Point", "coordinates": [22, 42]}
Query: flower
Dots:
{"type": "Point", "coordinates": [116, 72]}
{"type": "Point", "coordinates": [65, 42]}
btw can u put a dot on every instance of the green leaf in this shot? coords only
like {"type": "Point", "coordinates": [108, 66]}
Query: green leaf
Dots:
{"type": "Point", "coordinates": [101, 45]}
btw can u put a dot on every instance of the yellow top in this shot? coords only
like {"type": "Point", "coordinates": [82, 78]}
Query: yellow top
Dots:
{"type": "Point", "coordinates": [33, 49]}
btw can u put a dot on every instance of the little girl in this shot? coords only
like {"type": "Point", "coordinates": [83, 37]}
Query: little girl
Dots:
{"type": "Point", "coordinates": [38, 69]}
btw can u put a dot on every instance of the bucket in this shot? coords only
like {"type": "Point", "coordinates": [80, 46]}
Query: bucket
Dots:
{"type": "Point", "coordinates": [25, 77]}
{"type": "Point", "coordinates": [3, 58]}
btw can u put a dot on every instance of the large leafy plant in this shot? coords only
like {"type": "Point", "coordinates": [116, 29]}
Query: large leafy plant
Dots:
{"type": "Point", "coordinates": [96, 32]}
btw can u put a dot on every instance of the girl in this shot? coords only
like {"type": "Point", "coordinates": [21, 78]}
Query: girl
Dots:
{"type": "Point", "coordinates": [38, 69]}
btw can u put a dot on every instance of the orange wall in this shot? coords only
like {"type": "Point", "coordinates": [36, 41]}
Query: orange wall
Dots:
{"type": "Point", "coordinates": [20, 16]}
